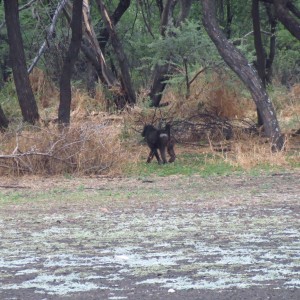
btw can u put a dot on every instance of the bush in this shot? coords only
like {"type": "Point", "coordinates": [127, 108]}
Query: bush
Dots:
{"type": "Point", "coordinates": [87, 148]}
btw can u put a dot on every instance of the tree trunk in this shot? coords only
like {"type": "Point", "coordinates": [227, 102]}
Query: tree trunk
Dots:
{"type": "Point", "coordinates": [260, 63]}
{"type": "Point", "coordinates": [115, 17]}
{"type": "Point", "coordinates": [239, 64]}
{"type": "Point", "coordinates": [273, 24]}
{"type": "Point", "coordinates": [229, 17]}
{"type": "Point", "coordinates": [160, 76]}
{"type": "Point", "coordinates": [65, 80]}
{"type": "Point", "coordinates": [90, 47]}
{"type": "Point", "coordinates": [26, 99]}
{"type": "Point", "coordinates": [288, 20]}
{"type": "Point", "coordinates": [3, 120]}
{"type": "Point", "coordinates": [160, 5]}
{"type": "Point", "coordinates": [121, 56]}
{"type": "Point", "coordinates": [259, 48]}
{"type": "Point", "coordinates": [163, 72]}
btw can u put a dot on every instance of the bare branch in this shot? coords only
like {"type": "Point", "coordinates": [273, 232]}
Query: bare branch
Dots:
{"type": "Point", "coordinates": [49, 37]}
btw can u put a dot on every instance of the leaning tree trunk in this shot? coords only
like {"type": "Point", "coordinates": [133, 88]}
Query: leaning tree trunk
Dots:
{"type": "Point", "coordinates": [239, 64]}
{"type": "Point", "coordinates": [115, 18]}
{"type": "Point", "coordinates": [159, 82]}
{"type": "Point", "coordinates": [286, 18]}
{"type": "Point", "coordinates": [163, 72]}
{"type": "Point", "coordinates": [26, 99]}
{"type": "Point", "coordinates": [65, 80]}
{"type": "Point", "coordinates": [120, 54]}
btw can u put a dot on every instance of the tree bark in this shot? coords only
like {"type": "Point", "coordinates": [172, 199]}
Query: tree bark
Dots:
{"type": "Point", "coordinates": [163, 72]}
{"type": "Point", "coordinates": [115, 18]}
{"type": "Point", "coordinates": [229, 17]}
{"type": "Point", "coordinates": [273, 24]}
{"type": "Point", "coordinates": [121, 56]}
{"type": "Point", "coordinates": [26, 98]}
{"type": "Point", "coordinates": [160, 5]}
{"type": "Point", "coordinates": [263, 62]}
{"type": "Point", "coordinates": [288, 20]}
{"type": "Point", "coordinates": [50, 34]}
{"type": "Point", "coordinates": [288, 14]}
{"type": "Point", "coordinates": [90, 47]}
{"type": "Point", "coordinates": [239, 64]}
{"type": "Point", "coordinates": [65, 80]}
{"type": "Point", "coordinates": [260, 63]}
{"type": "Point", "coordinates": [259, 48]}
{"type": "Point", "coordinates": [3, 120]}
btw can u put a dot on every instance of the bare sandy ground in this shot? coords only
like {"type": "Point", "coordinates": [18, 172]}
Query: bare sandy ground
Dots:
{"type": "Point", "coordinates": [234, 237]}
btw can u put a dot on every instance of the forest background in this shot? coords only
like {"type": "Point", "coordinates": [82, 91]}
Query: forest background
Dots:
{"type": "Point", "coordinates": [99, 70]}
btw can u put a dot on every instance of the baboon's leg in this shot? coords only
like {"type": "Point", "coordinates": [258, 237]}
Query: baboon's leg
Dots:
{"type": "Point", "coordinates": [163, 154]}
{"type": "Point", "coordinates": [171, 152]}
{"type": "Point", "coordinates": [150, 156]}
{"type": "Point", "coordinates": [157, 156]}
{"type": "Point", "coordinates": [163, 141]}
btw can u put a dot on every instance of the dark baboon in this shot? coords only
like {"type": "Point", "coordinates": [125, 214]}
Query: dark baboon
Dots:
{"type": "Point", "coordinates": [159, 139]}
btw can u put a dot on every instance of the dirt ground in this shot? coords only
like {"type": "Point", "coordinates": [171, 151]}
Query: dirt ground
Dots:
{"type": "Point", "coordinates": [231, 237]}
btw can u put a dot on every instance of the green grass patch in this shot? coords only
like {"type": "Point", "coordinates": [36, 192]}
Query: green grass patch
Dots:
{"type": "Point", "coordinates": [294, 160]}
{"type": "Point", "coordinates": [186, 164]}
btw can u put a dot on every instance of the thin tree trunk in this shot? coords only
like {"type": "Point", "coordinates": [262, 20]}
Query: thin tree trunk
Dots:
{"type": "Point", "coordinates": [92, 50]}
{"type": "Point", "coordinates": [163, 72]}
{"type": "Point", "coordinates": [121, 56]}
{"type": "Point", "coordinates": [273, 24]}
{"type": "Point", "coordinates": [259, 49]}
{"type": "Point", "coordinates": [26, 99]}
{"type": "Point", "coordinates": [65, 80]}
{"type": "Point", "coordinates": [239, 64]}
{"type": "Point", "coordinates": [3, 120]}
{"type": "Point", "coordinates": [229, 17]}
{"type": "Point", "coordinates": [115, 18]}
{"type": "Point", "coordinates": [160, 5]}
{"type": "Point", "coordinates": [160, 76]}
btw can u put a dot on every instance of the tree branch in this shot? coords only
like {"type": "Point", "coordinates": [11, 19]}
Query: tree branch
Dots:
{"type": "Point", "coordinates": [20, 9]}
{"type": "Point", "coordinates": [49, 37]}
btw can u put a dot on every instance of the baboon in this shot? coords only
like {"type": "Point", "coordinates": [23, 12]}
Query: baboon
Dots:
{"type": "Point", "coordinates": [159, 139]}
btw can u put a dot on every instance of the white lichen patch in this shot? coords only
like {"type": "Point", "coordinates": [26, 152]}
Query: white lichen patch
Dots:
{"type": "Point", "coordinates": [54, 285]}
{"type": "Point", "coordinates": [26, 271]}
{"type": "Point", "coordinates": [177, 246]}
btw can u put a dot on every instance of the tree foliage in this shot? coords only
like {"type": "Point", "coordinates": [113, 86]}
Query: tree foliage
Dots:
{"type": "Point", "coordinates": [183, 47]}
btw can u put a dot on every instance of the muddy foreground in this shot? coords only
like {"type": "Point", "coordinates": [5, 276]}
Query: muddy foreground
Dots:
{"type": "Point", "coordinates": [234, 237]}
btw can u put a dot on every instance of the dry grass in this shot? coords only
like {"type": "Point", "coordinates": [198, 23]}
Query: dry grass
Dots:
{"type": "Point", "coordinates": [43, 88]}
{"type": "Point", "coordinates": [224, 100]}
{"type": "Point", "coordinates": [84, 148]}
{"type": "Point", "coordinates": [99, 142]}
{"type": "Point", "coordinates": [253, 152]}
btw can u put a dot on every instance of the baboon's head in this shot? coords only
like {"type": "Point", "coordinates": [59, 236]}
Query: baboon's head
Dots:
{"type": "Point", "coordinates": [147, 128]}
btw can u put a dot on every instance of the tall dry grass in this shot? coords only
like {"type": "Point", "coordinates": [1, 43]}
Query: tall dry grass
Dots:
{"type": "Point", "coordinates": [83, 148]}
{"type": "Point", "coordinates": [44, 90]}
{"type": "Point", "coordinates": [101, 142]}
{"type": "Point", "coordinates": [253, 152]}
